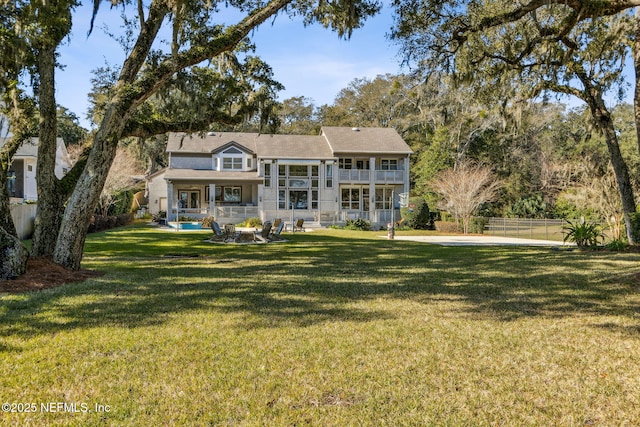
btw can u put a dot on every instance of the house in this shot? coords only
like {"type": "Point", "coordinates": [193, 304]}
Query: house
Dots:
{"type": "Point", "coordinates": [21, 181]}
{"type": "Point", "coordinates": [343, 173]}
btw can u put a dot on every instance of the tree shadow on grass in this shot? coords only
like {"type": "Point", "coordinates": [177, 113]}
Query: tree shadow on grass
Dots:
{"type": "Point", "coordinates": [316, 278]}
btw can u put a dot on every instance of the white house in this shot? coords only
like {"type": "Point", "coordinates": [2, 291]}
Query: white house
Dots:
{"type": "Point", "coordinates": [22, 173]}
{"type": "Point", "coordinates": [343, 173]}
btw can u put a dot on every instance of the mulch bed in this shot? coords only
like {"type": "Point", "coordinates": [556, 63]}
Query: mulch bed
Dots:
{"type": "Point", "coordinates": [42, 273]}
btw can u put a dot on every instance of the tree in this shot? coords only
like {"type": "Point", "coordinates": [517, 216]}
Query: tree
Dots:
{"type": "Point", "coordinates": [146, 72]}
{"type": "Point", "coordinates": [120, 179]}
{"type": "Point", "coordinates": [545, 46]}
{"type": "Point", "coordinates": [297, 116]}
{"type": "Point", "coordinates": [465, 189]}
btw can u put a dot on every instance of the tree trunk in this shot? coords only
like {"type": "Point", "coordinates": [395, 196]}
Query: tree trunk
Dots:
{"type": "Point", "coordinates": [6, 157]}
{"type": "Point", "coordinates": [6, 220]}
{"type": "Point", "coordinates": [605, 123]}
{"type": "Point", "coordinates": [85, 198]}
{"type": "Point", "coordinates": [13, 256]}
{"type": "Point", "coordinates": [50, 201]}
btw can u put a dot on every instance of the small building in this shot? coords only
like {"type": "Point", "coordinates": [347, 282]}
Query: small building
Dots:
{"type": "Point", "coordinates": [21, 181]}
{"type": "Point", "coordinates": [343, 173]}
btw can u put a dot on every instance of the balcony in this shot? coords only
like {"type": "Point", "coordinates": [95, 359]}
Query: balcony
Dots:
{"type": "Point", "coordinates": [363, 176]}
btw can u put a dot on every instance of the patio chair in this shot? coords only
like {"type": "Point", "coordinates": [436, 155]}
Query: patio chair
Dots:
{"type": "Point", "coordinates": [218, 234]}
{"type": "Point", "coordinates": [297, 226]}
{"type": "Point", "coordinates": [230, 232]}
{"type": "Point", "coordinates": [275, 235]}
{"type": "Point", "coordinates": [263, 236]}
{"type": "Point", "coordinates": [277, 222]}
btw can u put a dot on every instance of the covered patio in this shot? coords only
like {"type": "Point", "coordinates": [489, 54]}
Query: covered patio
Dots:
{"type": "Point", "coordinates": [196, 194]}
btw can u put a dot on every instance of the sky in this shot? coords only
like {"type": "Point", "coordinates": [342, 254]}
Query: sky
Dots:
{"type": "Point", "coordinates": [311, 62]}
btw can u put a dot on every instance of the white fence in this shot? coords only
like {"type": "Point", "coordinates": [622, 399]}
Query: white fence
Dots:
{"type": "Point", "coordinates": [23, 217]}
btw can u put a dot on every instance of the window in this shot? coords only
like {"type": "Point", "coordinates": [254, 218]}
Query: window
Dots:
{"type": "Point", "coordinates": [329, 176]}
{"type": "Point", "coordinates": [267, 174]}
{"type": "Point", "coordinates": [297, 186]}
{"type": "Point", "coordinates": [298, 199]}
{"type": "Point", "coordinates": [384, 198]}
{"type": "Point", "coordinates": [228, 194]}
{"type": "Point", "coordinates": [345, 163]}
{"type": "Point", "coordinates": [232, 163]}
{"type": "Point", "coordinates": [189, 199]}
{"type": "Point", "coordinates": [389, 164]}
{"type": "Point", "coordinates": [232, 194]}
{"type": "Point", "coordinates": [362, 164]}
{"type": "Point", "coordinates": [350, 198]}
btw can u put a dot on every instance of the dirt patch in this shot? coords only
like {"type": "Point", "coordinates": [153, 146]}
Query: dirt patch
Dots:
{"type": "Point", "coordinates": [42, 273]}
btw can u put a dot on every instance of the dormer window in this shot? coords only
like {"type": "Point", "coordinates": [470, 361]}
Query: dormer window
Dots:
{"type": "Point", "coordinates": [232, 163]}
{"type": "Point", "coordinates": [232, 159]}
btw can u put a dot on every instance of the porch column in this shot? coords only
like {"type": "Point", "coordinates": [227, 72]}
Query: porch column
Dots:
{"type": "Point", "coordinates": [372, 190]}
{"type": "Point", "coordinates": [171, 202]}
{"type": "Point", "coordinates": [212, 199]}
{"type": "Point", "coordinates": [406, 175]}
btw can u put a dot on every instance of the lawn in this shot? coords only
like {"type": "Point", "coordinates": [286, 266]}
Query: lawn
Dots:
{"type": "Point", "coordinates": [332, 328]}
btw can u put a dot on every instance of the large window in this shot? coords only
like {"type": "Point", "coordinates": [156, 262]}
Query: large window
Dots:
{"type": "Point", "coordinates": [298, 186]}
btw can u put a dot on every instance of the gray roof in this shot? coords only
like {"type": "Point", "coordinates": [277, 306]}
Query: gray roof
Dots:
{"type": "Point", "coordinates": [293, 147]}
{"type": "Point", "coordinates": [198, 174]}
{"type": "Point", "coordinates": [209, 142]}
{"type": "Point", "coordinates": [332, 141]}
{"type": "Point", "coordinates": [365, 140]}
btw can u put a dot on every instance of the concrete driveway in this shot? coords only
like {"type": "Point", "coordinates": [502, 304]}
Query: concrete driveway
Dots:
{"type": "Point", "coordinates": [462, 240]}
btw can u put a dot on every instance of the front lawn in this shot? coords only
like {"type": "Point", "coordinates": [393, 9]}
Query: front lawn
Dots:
{"type": "Point", "coordinates": [332, 328]}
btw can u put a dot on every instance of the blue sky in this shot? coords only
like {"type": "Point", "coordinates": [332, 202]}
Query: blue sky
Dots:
{"type": "Point", "coordinates": [311, 61]}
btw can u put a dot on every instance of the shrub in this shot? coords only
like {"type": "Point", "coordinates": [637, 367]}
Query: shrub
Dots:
{"type": "Point", "coordinates": [101, 222]}
{"type": "Point", "coordinates": [206, 222]}
{"type": "Point", "coordinates": [448, 227]}
{"type": "Point", "coordinates": [417, 214]}
{"type": "Point", "coordinates": [251, 222]}
{"type": "Point", "coordinates": [123, 201]}
{"type": "Point", "coordinates": [617, 245]}
{"type": "Point", "coordinates": [357, 224]}
{"type": "Point", "coordinates": [584, 234]}
{"type": "Point", "coordinates": [477, 225]}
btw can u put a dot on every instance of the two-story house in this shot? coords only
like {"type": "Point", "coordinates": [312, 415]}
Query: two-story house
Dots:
{"type": "Point", "coordinates": [343, 173]}
{"type": "Point", "coordinates": [21, 181]}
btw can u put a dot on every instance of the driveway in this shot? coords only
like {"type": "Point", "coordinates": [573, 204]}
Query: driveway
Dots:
{"type": "Point", "coordinates": [462, 240]}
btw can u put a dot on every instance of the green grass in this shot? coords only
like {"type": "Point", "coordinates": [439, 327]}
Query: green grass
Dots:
{"type": "Point", "coordinates": [332, 328]}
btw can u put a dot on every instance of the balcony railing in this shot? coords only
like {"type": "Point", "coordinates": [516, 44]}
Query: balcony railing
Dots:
{"type": "Point", "coordinates": [364, 176]}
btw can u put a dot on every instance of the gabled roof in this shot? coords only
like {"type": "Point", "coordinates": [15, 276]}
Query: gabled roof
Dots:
{"type": "Point", "coordinates": [331, 142]}
{"type": "Point", "coordinates": [232, 144]}
{"type": "Point", "coordinates": [365, 140]}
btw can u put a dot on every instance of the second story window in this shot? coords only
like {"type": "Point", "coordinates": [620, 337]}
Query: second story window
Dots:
{"type": "Point", "coordinates": [232, 163]}
{"type": "Point", "coordinates": [345, 163]}
{"type": "Point", "coordinates": [267, 174]}
{"type": "Point", "coordinates": [389, 164]}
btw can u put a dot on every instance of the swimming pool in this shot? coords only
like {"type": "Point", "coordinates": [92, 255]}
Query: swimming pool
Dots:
{"type": "Point", "coordinates": [186, 225]}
